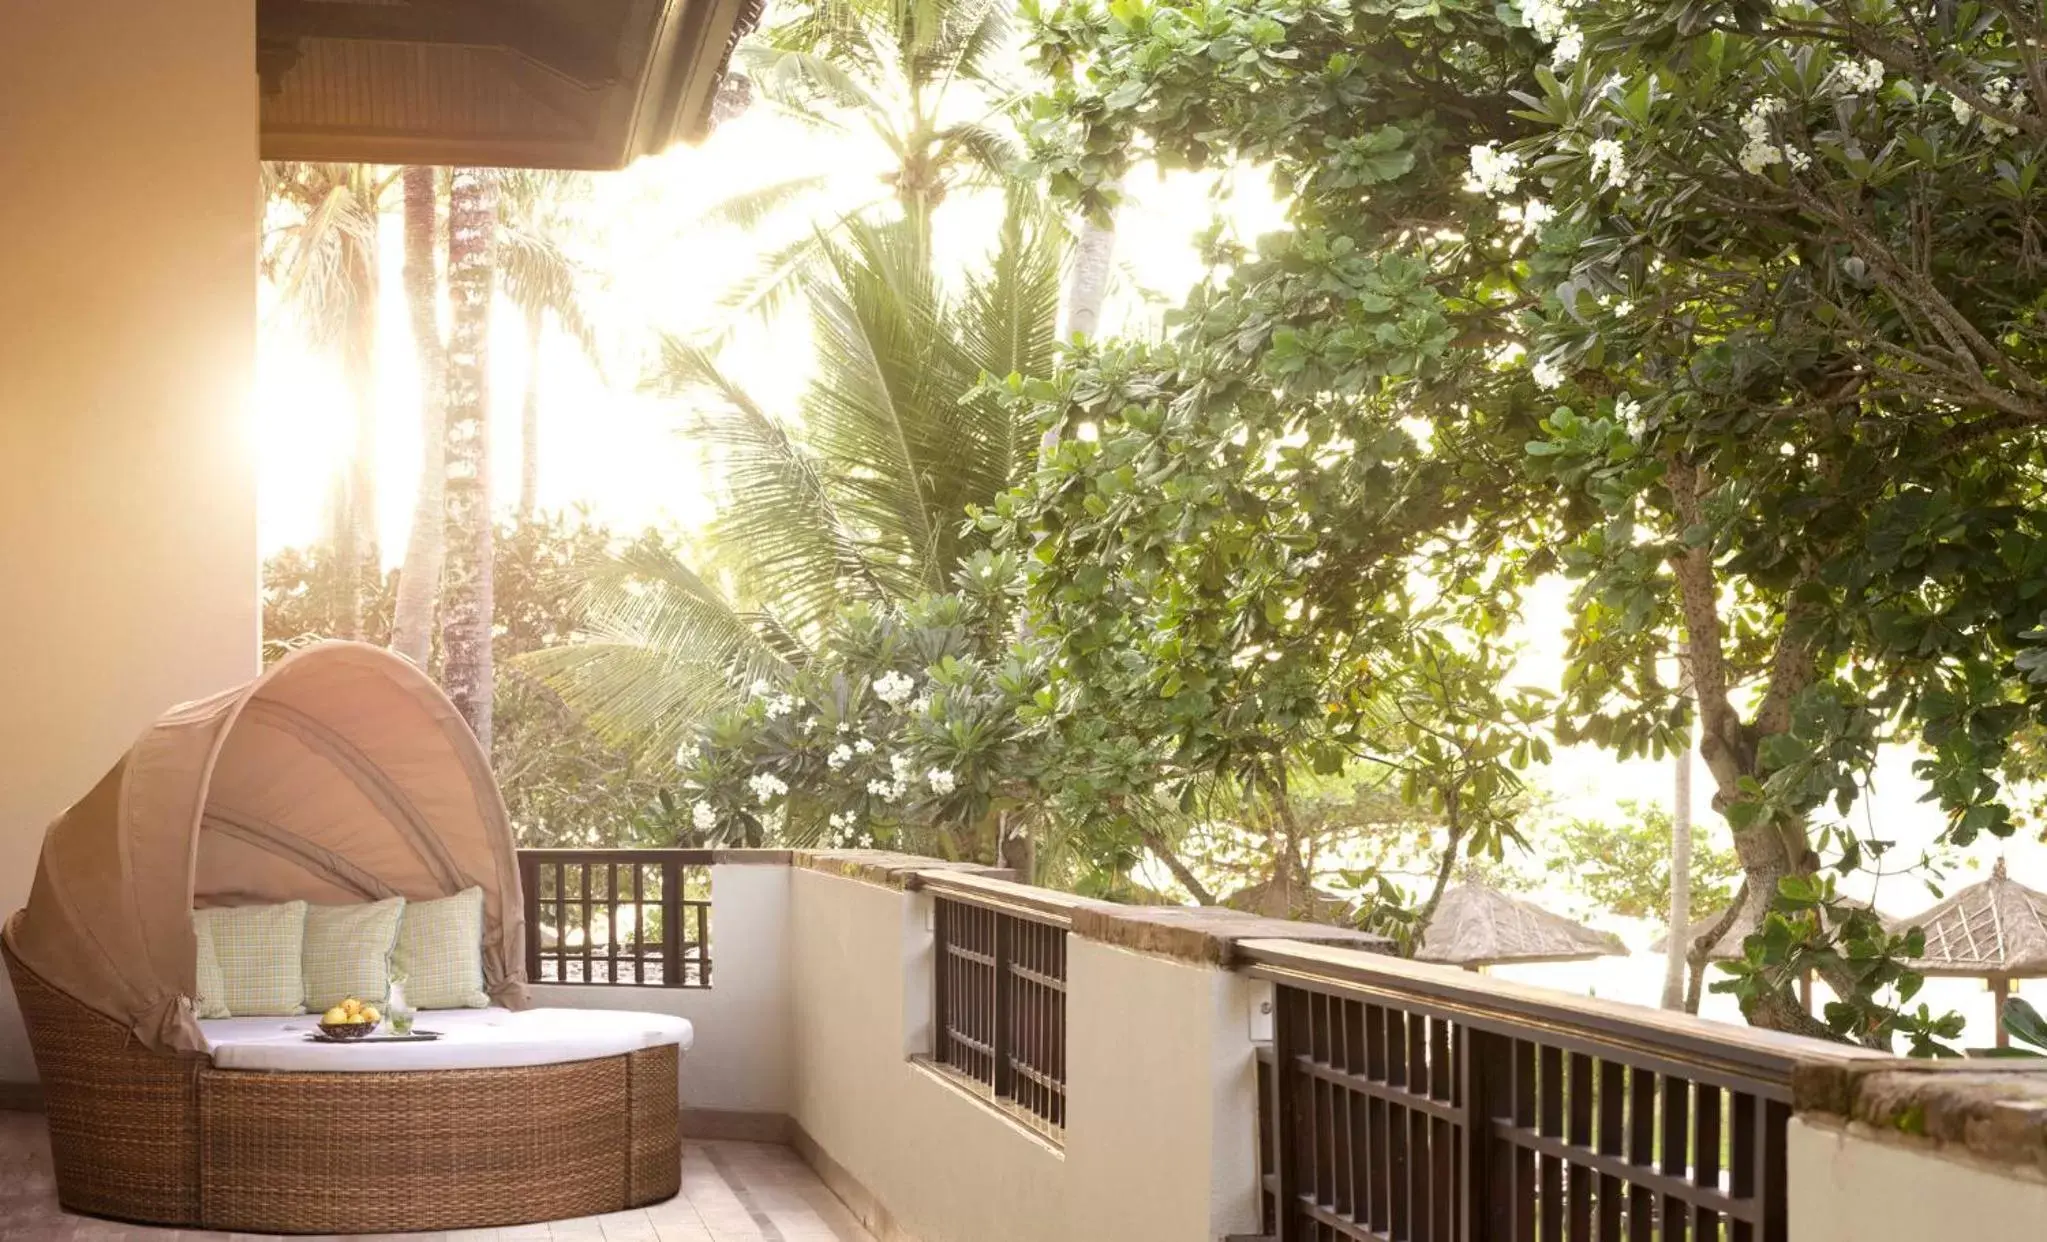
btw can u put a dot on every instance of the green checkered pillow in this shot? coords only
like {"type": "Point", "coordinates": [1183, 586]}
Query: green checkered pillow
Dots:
{"type": "Point", "coordinates": [258, 949]}
{"type": "Point", "coordinates": [212, 985]}
{"type": "Point", "coordinates": [348, 952]}
{"type": "Point", "coordinates": [440, 952]}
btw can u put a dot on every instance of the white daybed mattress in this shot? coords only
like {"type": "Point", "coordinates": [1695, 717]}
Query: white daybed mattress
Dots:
{"type": "Point", "coordinates": [470, 1039]}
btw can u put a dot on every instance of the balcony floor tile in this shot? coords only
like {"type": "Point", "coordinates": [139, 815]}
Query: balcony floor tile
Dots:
{"type": "Point", "coordinates": [731, 1192]}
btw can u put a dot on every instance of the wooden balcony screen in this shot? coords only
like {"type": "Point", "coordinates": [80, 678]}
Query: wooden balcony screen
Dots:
{"type": "Point", "coordinates": [1000, 1005]}
{"type": "Point", "coordinates": [1452, 1114]}
{"type": "Point", "coordinates": [628, 918]}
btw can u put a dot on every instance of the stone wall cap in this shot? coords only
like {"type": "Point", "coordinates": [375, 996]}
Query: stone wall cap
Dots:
{"type": "Point", "coordinates": [886, 868]}
{"type": "Point", "coordinates": [1994, 1110]}
{"type": "Point", "coordinates": [1207, 934]}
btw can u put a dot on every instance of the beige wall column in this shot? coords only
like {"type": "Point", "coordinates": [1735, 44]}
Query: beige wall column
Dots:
{"type": "Point", "coordinates": [1855, 1184]}
{"type": "Point", "coordinates": [128, 221]}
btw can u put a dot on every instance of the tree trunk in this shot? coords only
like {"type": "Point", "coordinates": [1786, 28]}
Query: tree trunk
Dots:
{"type": "Point", "coordinates": [529, 422]}
{"type": "Point", "coordinates": [1680, 873]}
{"type": "Point", "coordinates": [1088, 286]}
{"type": "Point", "coordinates": [419, 581]}
{"type": "Point", "coordinates": [1427, 913]}
{"type": "Point", "coordinates": [466, 612]}
{"type": "Point", "coordinates": [1773, 848]}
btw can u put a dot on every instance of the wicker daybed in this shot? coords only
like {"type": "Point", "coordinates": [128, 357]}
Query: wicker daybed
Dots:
{"type": "Point", "coordinates": [340, 775]}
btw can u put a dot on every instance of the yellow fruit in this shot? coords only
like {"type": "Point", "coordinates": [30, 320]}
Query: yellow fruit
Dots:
{"type": "Point", "coordinates": [351, 1004]}
{"type": "Point", "coordinates": [336, 1016]}
{"type": "Point", "coordinates": [370, 1014]}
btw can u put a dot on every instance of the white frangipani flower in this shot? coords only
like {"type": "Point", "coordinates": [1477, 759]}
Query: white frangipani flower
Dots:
{"type": "Point", "coordinates": [1860, 77]}
{"type": "Point", "coordinates": [942, 781]}
{"type": "Point", "coordinates": [766, 787]}
{"type": "Point", "coordinates": [761, 688]}
{"type": "Point", "coordinates": [1610, 161]}
{"type": "Point", "coordinates": [844, 828]}
{"type": "Point", "coordinates": [1549, 20]}
{"type": "Point", "coordinates": [704, 816]}
{"type": "Point", "coordinates": [1569, 47]}
{"type": "Point", "coordinates": [863, 747]}
{"type": "Point", "coordinates": [841, 755]}
{"type": "Point", "coordinates": [1547, 375]}
{"type": "Point", "coordinates": [1530, 215]}
{"type": "Point", "coordinates": [894, 688]}
{"type": "Point", "coordinates": [1762, 150]}
{"type": "Point", "coordinates": [885, 790]}
{"type": "Point", "coordinates": [780, 706]}
{"type": "Point", "coordinates": [1493, 171]}
{"type": "Point", "coordinates": [2005, 94]}
{"type": "Point", "coordinates": [1627, 411]}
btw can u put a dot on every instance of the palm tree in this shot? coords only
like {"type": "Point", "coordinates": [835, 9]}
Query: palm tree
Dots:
{"type": "Point", "coordinates": [541, 278]}
{"type": "Point", "coordinates": [325, 262]}
{"type": "Point", "coordinates": [466, 612]}
{"type": "Point", "coordinates": [925, 79]}
{"type": "Point", "coordinates": [861, 495]}
{"type": "Point", "coordinates": [419, 579]}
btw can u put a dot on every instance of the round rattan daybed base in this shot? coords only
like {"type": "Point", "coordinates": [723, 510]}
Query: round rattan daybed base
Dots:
{"type": "Point", "coordinates": [170, 1140]}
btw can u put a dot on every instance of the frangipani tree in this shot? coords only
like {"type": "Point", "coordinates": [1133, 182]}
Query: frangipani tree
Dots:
{"type": "Point", "coordinates": [1729, 310]}
{"type": "Point", "coordinates": [910, 729]}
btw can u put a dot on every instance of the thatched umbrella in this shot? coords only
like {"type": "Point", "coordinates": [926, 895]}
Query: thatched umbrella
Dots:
{"type": "Point", "coordinates": [1995, 930]}
{"type": "Point", "coordinates": [1745, 924]}
{"type": "Point", "coordinates": [1477, 925]}
{"type": "Point", "coordinates": [1304, 902]}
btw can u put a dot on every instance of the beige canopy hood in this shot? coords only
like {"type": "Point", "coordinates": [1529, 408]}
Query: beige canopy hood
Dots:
{"type": "Point", "coordinates": [341, 774]}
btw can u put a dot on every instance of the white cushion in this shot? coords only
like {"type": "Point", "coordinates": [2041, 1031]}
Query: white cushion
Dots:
{"type": "Point", "coordinates": [470, 1039]}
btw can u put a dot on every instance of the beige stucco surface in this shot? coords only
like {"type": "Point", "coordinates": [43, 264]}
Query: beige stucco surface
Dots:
{"type": "Point", "coordinates": [1158, 1144]}
{"type": "Point", "coordinates": [128, 562]}
{"type": "Point", "coordinates": [1847, 1186]}
{"type": "Point", "coordinates": [740, 1060]}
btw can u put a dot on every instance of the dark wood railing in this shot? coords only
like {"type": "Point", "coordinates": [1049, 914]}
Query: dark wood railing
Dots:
{"type": "Point", "coordinates": [632, 918]}
{"type": "Point", "coordinates": [1000, 1003]}
{"type": "Point", "coordinates": [1423, 1104]}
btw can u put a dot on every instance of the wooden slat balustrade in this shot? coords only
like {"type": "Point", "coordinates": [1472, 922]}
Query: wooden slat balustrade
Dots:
{"type": "Point", "coordinates": [999, 997]}
{"type": "Point", "coordinates": [1412, 1103]}
{"type": "Point", "coordinates": [625, 918]}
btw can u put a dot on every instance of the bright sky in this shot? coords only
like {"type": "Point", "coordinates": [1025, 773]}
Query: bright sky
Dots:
{"type": "Point", "coordinates": [618, 451]}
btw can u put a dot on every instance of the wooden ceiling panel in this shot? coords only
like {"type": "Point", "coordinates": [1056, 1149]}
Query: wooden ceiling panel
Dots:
{"type": "Point", "coordinates": [513, 83]}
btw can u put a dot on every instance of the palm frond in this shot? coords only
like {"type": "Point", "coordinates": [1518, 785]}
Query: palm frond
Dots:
{"type": "Point", "coordinates": [984, 147]}
{"type": "Point", "coordinates": [539, 277]}
{"type": "Point", "coordinates": [662, 649]}
{"type": "Point", "coordinates": [1010, 314]}
{"type": "Point", "coordinates": [749, 209]}
{"type": "Point", "coordinates": [786, 535]}
{"type": "Point", "coordinates": [324, 263]}
{"type": "Point", "coordinates": [800, 79]}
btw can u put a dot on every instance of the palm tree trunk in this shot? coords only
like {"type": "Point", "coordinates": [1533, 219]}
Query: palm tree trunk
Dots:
{"type": "Point", "coordinates": [529, 422]}
{"type": "Point", "coordinates": [1680, 876]}
{"type": "Point", "coordinates": [355, 532]}
{"type": "Point", "coordinates": [419, 581]}
{"type": "Point", "coordinates": [466, 613]}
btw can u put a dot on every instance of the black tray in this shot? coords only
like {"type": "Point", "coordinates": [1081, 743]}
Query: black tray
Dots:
{"type": "Point", "coordinates": [417, 1037]}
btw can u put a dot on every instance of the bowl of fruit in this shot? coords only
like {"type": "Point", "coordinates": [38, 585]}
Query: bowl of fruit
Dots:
{"type": "Point", "coordinates": [351, 1019]}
